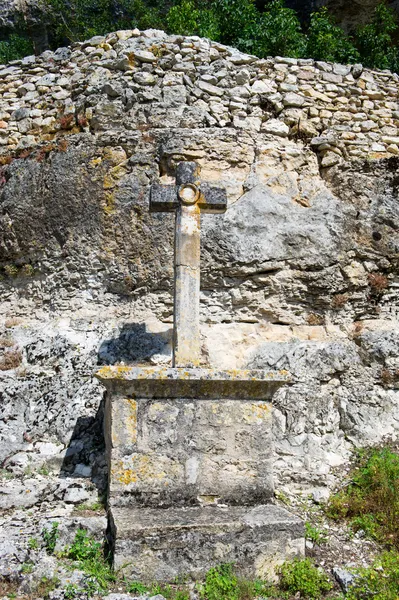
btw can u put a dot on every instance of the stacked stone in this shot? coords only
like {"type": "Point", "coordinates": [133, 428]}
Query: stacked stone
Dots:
{"type": "Point", "coordinates": [141, 80]}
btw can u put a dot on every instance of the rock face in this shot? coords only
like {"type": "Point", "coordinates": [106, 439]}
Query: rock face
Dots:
{"type": "Point", "coordinates": [300, 273]}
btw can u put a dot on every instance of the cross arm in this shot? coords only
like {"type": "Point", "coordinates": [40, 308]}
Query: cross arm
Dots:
{"type": "Point", "coordinates": [163, 198]}
{"type": "Point", "coordinates": [212, 199]}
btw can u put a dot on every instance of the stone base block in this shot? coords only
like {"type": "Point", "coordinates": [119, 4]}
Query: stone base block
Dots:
{"type": "Point", "coordinates": [160, 544]}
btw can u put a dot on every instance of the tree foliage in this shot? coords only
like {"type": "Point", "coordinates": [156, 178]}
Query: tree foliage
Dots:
{"type": "Point", "coordinates": [327, 41]}
{"type": "Point", "coordinates": [274, 30]}
{"type": "Point", "coordinates": [15, 47]}
{"type": "Point", "coordinates": [375, 40]}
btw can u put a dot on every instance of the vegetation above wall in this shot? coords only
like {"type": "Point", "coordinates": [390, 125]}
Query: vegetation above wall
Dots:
{"type": "Point", "coordinates": [274, 31]}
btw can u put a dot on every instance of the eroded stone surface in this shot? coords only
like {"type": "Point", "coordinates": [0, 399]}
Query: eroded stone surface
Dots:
{"type": "Point", "coordinates": [303, 254]}
{"type": "Point", "coordinates": [167, 543]}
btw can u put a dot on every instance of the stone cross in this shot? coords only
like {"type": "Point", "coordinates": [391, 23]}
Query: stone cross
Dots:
{"type": "Point", "coordinates": [188, 198]}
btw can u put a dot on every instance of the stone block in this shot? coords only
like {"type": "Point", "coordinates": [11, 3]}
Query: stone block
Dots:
{"type": "Point", "coordinates": [161, 544]}
{"type": "Point", "coordinates": [182, 451]}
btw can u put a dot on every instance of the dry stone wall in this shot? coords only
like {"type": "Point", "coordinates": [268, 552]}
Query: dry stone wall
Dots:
{"type": "Point", "coordinates": [300, 273]}
{"type": "Point", "coordinates": [344, 111]}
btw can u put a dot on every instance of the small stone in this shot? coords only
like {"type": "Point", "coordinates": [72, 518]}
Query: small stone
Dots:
{"type": "Point", "coordinates": [114, 90]}
{"type": "Point", "coordinates": [261, 87]}
{"type": "Point", "coordinates": [20, 113]}
{"type": "Point", "coordinates": [76, 495]}
{"type": "Point", "coordinates": [368, 125]}
{"type": "Point", "coordinates": [330, 159]}
{"type": "Point", "coordinates": [292, 99]}
{"type": "Point", "coordinates": [144, 56]}
{"type": "Point", "coordinates": [210, 89]}
{"type": "Point", "coordinates": [377, 147]}
{"type": "Point", "coordinates": [242, 59]}
{"type": "Point", "coordinates": [393, 149]}
{"type": "Point", "coordinates": [3, 125]}
{"type": "Point", "coordinates": [82, 470]}
{"type": "Point", "coordinates": [344, 578]}
{"type": "Point", "coordinates": [276, 127]}
{"type": "Point", "coordinates": [242, 77]}
{"type": "Point", "coordinates": [25, 88]}
{"type": "Point", "coordinates": [144, 78]}
{"type": "Point", "coordinates": [124, 34]}
{"type": "Point", "coordinates": [357, 70]}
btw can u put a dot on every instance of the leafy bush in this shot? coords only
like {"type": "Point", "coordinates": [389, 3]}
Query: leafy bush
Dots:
{"type": "Point", "coordinates": [315, 534]}
{"type": "Point", "coordinates": [182, 18]}
{"type": "Point", "coordinates": [301, 576]}
{"type": "Point", "coordinates": [50, 537]}
{"type": "Point", "coordinates": [220, 584]}
{"type": "Point", "coordinates": [375, 41]}
{"type": "Point", "coordinates": [17, 46]}
{"type": "Point", "coordinates": [327, 41]}
{"type": "Point", "coordinates": [279, 32]}
{"type": "Point", "coordinates": [238, 22]}
{"type": "Point", "coordinates": [372, 498]}
{"type": "Point", "coordinates": [378, 582]}
{"type": "Point", "coordinates": [82, 19]}
{"type": "Point", "coordinates": [188, 18]}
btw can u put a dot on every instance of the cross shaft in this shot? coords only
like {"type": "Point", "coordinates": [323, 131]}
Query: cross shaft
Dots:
{"type": "Point", "coordinates": [188, 198]}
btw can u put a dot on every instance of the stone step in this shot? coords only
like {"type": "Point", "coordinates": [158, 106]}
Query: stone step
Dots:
{"type": "Point", "coordinates": [161, 544]}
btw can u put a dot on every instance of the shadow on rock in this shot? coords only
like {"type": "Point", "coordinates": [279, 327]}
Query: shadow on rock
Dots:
{"type": "Point", "coordinates": [135, 344]}
{"type": "Point", "coordinates": [85, 456]}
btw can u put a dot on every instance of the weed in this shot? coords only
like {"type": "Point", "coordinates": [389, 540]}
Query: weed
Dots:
{"type": "Point", "coordinates": [4, 474]}
{"type": "Point", "coordinates": [33, 543]}
{"type": "Point", "coordinates": [135, 587]}
{"type": "Point", "coordinates": [378, 582]}
{"type": "Point", "coordinates": [46, 585]}
{"type": "Point", "coordinates": [88, 555]}
{"type": "Point", "coordinates": [82, 121]}
{"type": "Point", "coordinates": [282, 497]}
{"type": "Point", "coordinates": [44, 470]}
{"type": "Point", "coordinates": [94, 507]}
{"type": "Point", "coordinates": [339, 300]}
{"type": "Point", "coordinates": [27, 270]}
{"type": "Point", "coordinates": [315, 534]}
{"type": "Point", "coordinates": [372, 498]}
{"type": "Point", "coordinates": [220, 584]}
{"type": "Point", "coordinates": [6, 342]}
{"type": "Point", "coordinates": [303, 577]}
{"type": "Point", "coordinates": [314, 319]}
{"type": "Point", "coordinates": [11, 270]}
{"type": "Point", "coordinates": [10, 360]}
{"type": "Point", "coordinates": [389, 377]}
{"type": "Point", "coordinates": [377, 282]}
{"type": "Point", "coordinates": [62, 145]}
{"type": "Point", "coordinates": [71, 591]}
{"type": "Point", "coordinates": [50, 537]}
{"type": "Point", "coordinates": [12, 322]}
{"type": "Point", "coordinates": [66, 121]}
{"type": "Point", "coordinates": [27, 568]}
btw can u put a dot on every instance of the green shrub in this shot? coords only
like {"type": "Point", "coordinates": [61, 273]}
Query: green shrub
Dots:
{"type": "Point", "coordinates": [135, 587]}
{"type": "Point", "coordinates": [50, 537]}
{"type": "Point", "coordinates": [15, 47]}
{"type": "Point", "coordinates": [315, 534]}
{"type": "Point", "coordinates": [82, 19]}
{"type": "Point", "coordinates": [327, 41]}
{"type": "Point", "coordinates": [372, 498]}
{"type": "Point", "coordinates": [301, 576]}
{"type": "Point", "coordinates": [88, 556]}
{"type": "Point", "coordinates": [220, 584]}
{"type": "Point", "coordinates": [279, 32]}
{"type": "Point", "coordinates": [375, 41]}
{"type": "Point", "coordinates": [378, 582]}
{"type": "Point", "coordinates": [238, 22]}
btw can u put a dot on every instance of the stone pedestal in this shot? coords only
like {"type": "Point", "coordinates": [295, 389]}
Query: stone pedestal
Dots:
{"type": "Point", "coordinates": [190, 472]}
